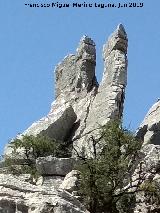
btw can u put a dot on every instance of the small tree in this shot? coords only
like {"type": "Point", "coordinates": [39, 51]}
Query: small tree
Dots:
{"type": "Point", "coordinates": [33, 147]}
{"type": "Point", "coordinates": [106, 181]}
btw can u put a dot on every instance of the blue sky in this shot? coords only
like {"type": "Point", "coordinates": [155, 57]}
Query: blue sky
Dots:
{"type": "Point", "coordinates": [34, 40]}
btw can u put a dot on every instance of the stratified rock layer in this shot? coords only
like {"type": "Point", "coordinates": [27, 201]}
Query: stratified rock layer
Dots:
{"type": "Point", "coordinates": [19, 196]}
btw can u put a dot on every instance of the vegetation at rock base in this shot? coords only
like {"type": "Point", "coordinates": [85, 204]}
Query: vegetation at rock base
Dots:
{"type": "Point", "coordinates": [106, 176]}
{"type": "Point", "coordinates": [33, 147]}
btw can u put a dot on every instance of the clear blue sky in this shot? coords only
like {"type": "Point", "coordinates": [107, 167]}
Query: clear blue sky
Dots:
{"type": "Point", "coordinates": [34, 40]}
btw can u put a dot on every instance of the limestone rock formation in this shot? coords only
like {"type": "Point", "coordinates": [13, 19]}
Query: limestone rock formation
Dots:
{"type": "Point", "coordinates": [109, 100]}
{"type": "Point", "coordinates": [17, 195]}
{"type": "Point", "coordinates": [80, 107]}
{"type": "Point", "coordinates": [149, 130]}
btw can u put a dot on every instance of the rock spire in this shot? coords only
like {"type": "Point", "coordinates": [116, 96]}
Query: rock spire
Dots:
{"type": "Point", "coordinates": [81, 105]}
{"type": "Point", "coordinates": [109, 100]}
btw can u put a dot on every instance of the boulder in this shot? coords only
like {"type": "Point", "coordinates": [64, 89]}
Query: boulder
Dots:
{"type": "Point", "coordinates": [57, 127]}
{"type": "Point", "coordinates": [71, 182]}
{"type": "Point", "coordinates": [54, 166]}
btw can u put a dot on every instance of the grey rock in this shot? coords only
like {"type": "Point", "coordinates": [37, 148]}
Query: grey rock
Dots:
{"type": "Point", "coordinates": [109, 100]}
{"type": "Point", "coordinates": [115, 60]}
{"type": "Point", "coordinates": [54, 166]}
{"type": "Point", "coordinates": [77, 72]}
{"type": "Point", "coordinates": [108, 103]}
{"type": "Point", "coordinates": [80, 107]}
{"type": "Point", "coordinates": [75, 86]}
{"type": "Point", "coordinates": [71, 182]}
{"type": "Point", "coordinates": [150, 168]}
{"type": "Point", "coordinates": [19, 196]}
{"type": "Point", "coordinates": [151, 157]}
{"type": "Point", "coordinates": [147, 163]}
{"type": "Point", "coordinates": [149, 130]}
{"type": "Point", "coordinates": [52, 182]}
{"type": "Point", "coordinates": [56, 127]}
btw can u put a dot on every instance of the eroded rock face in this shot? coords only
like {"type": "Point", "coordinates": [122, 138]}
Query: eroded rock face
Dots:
{"type": "Point", "coordinates": [77, 72]}
{"type": "Point", "coordinates": [108, 102]}
{"type": "Point", "coordinates": [57, 127]}
{"type": "Point", "coordinates": [19, 196]}
{"type": "Point", "coordinates": [149, 134]}
{"type": "Point", "coordinates": [81, 105]}
{"type": "Point", "coordinates": [149, 130]}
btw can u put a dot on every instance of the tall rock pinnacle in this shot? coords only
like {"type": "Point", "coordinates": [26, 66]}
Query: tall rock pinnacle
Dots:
{"type": "Point", "coordinates": [81, 105]}
{"type": "Point", "coordinates": [115, 59]}
{"type": "Point", "coordinates": [86, 62]}
{"type": "Point", "coordinates": [109, 101]}
{"type": "Point", "coordinates": [77, 72]}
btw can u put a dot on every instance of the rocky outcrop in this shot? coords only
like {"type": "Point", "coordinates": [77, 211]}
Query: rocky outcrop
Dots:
{"type": "Point", "coordinates": [149, 130]}
{"type": "Point", "coordinates": [80, 107]}
{"type": "Point", "coordinates": [77, 72]}
{"type": "Point", "coordinates": [75, 85]}
{"type": "Point", "coordinates": [149, 134]}
{"type": "Point", "coordinates": [19, 196]}
{"type": "Point", "coordinates": [57, 127]}
{"type": "Point", "coordinates": [149, 169]}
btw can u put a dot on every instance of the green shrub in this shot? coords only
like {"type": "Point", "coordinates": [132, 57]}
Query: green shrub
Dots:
{"type": "Point", "coordinates": [104, 175]}
{"type": "Point", "coordinates": [33, 147]}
